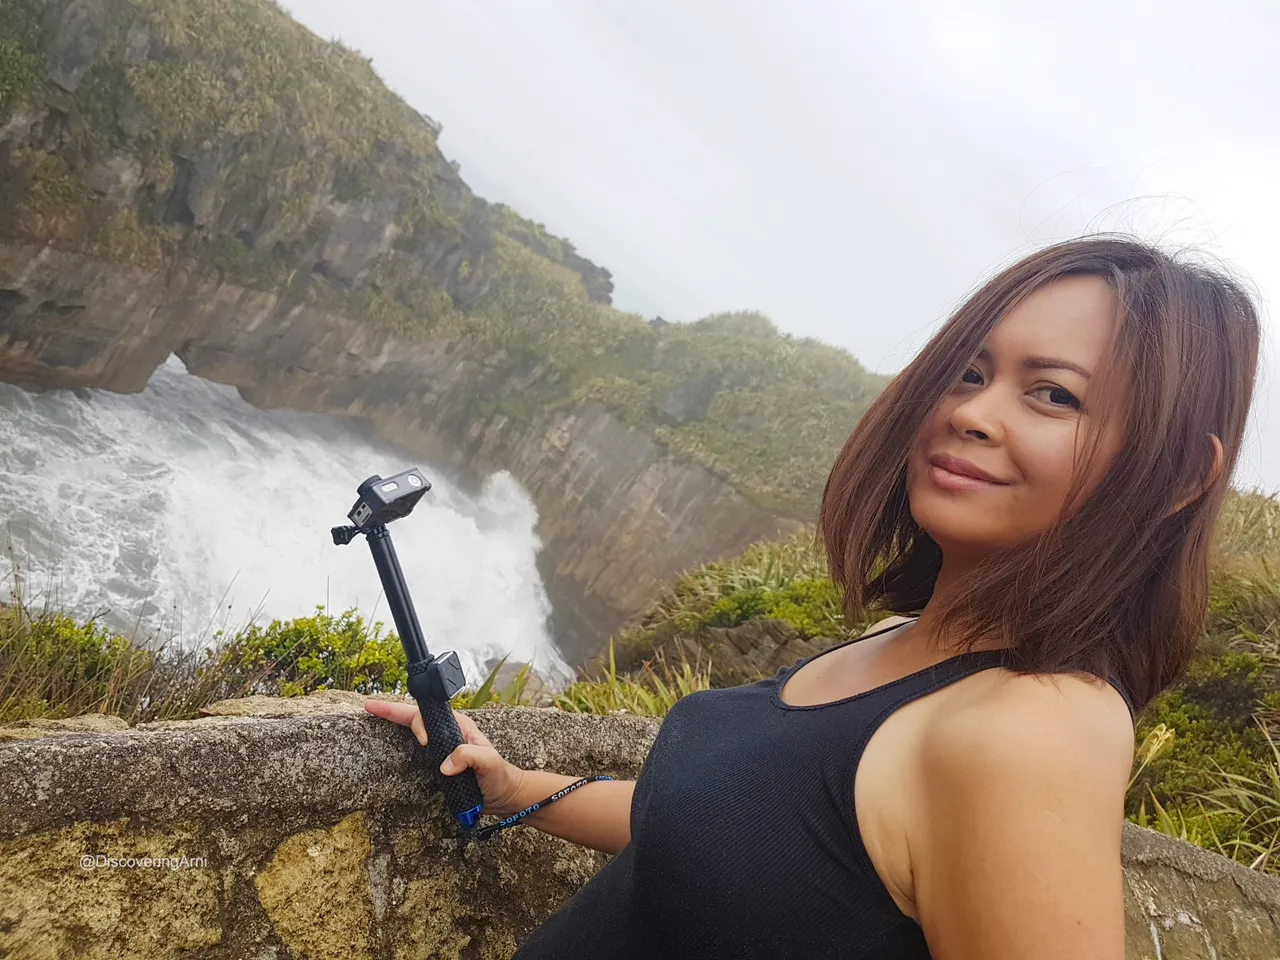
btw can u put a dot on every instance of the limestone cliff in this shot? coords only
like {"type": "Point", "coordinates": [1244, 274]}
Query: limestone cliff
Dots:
{"type": "Point", "coordinates": [207, 178]}
{"type": "Point", "coordinates": [616, 511]}
{"type": "Point", "coordinates": [320, 836]}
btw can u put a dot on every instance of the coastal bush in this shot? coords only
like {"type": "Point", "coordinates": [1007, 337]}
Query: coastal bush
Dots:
{"type": "Point", "coordinates": [784, 580]}
{"type": "Point", "coordinates": [21, 69]}
{"type": "Point", "coordinates": [1211, 713]}
{"type": "Point", "coordinates": [649, 692]}
{"type": "Point", "coordinates": [54, 666]}
{"type": "Point", "coordinates": [56, 204]}
{"type": "Point", "coordinates": [291, 658]}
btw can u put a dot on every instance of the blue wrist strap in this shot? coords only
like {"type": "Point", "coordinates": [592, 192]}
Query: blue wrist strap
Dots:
{"type": "Point", "coordinates": [517, 818]}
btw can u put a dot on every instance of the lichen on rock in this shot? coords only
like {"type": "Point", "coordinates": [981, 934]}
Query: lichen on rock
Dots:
{"type": "Point", "coordinates": [60, 896]}
{"type": "Point", "coordinates": [315, 890]}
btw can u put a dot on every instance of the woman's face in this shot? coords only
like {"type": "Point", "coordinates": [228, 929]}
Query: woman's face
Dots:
{"type": "Point", "coordinates": [1018, 415]}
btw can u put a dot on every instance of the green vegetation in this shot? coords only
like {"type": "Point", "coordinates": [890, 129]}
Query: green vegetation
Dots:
{"type": "Point", "coordinates": [56, 200]}
{"type": "Point", "coordinates": [786, 581]}
{"type": "Point", "coordinates": [52, 666]}
{"type": "Point", "coordinates": [229, 113]}
{"type": "Point", "coordinates": [649, 692]}
{"type": "Point", "coordinates": [21, 70]}
{"type": "Point", "coordinates": [321, 652]}
{"type": "Point", "coordinates": [121, 238]}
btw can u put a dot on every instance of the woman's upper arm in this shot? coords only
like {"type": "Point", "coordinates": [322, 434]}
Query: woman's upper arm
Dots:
{"type": "Point", "coordinates": [1016, 850]}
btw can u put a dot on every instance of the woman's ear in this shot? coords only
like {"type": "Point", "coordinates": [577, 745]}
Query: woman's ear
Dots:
{"type": "Point", "coordinates": [1215, 471]}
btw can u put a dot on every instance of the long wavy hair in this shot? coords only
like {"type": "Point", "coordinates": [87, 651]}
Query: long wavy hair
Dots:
{"type": "Point", "coordinates": [1119, 585]}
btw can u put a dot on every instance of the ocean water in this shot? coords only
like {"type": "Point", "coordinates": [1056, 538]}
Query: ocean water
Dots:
{"type": "Point", "coordinates": [184, 510]}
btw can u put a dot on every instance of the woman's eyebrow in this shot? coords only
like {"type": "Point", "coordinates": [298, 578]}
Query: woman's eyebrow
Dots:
{"type": "Point", "coordinates": [1043, 363]}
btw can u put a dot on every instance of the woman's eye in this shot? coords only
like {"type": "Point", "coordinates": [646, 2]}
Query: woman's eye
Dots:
{"type": "Point", "coordinates": [1058, 396]}
{"type": "Point", "coordinates": [974, 373]}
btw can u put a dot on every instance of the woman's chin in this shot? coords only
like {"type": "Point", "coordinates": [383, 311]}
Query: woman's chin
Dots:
{"type": "Point", "coordinates": [953, 526]}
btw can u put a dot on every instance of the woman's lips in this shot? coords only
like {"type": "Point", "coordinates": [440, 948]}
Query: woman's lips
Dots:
{"type": "Point", "coordinates": [947, 480]}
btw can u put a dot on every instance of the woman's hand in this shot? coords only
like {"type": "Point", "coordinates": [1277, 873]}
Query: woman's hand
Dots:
{"type": "Point", "coordinates": [499, 780]}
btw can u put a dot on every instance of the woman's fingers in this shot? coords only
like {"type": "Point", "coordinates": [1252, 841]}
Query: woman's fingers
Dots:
{"type": "Point", "coordinates": [470, 732]}
{"type": "Point", "coordinates": [406, 714]}
{"type": "Point", "coordinates": [498, 779]}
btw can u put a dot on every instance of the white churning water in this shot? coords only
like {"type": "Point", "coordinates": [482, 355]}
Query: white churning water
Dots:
{"type": "Point", "coordinates": [148, 508]}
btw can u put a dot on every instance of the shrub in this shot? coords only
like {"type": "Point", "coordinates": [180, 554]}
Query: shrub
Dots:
{"type": "Point", "coordinates": [321, 652]}
{"type": "Point", "coordinates": [53, 666]}
{"type": "Point", "coordinates": [21, 68]}
{"type": "Point", "coordinates": [651, 693]}
{"type": "Point", "coordinates": [1211, 714]}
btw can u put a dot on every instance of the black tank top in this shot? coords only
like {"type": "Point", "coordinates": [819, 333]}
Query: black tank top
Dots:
{"type": "Point", "coordinates": [743, 836]}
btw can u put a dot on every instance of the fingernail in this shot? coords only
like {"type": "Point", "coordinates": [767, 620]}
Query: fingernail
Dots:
{"type": "Point", "coordinates": [447, 766]}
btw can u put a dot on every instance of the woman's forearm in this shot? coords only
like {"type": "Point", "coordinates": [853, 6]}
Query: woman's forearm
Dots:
{"type": "Point", "coordinates": [596, 815]}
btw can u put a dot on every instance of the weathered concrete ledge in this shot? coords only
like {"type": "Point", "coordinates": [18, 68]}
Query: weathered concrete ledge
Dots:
{"type": "Point", "coordinates": [320, 836]}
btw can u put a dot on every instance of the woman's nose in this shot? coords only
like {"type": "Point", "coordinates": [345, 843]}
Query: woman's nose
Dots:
{"type": "Point", "coordinates": [979, 416]}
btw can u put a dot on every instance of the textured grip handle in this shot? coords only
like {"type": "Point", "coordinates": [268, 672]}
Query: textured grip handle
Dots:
{"type": "Point", "coordinates": [461, 791]}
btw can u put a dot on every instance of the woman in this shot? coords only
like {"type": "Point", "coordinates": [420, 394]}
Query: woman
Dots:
{"type": "Point", "coordinates": [1038, 488]}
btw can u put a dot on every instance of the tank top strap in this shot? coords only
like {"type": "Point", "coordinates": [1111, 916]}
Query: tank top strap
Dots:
{"type": "Point", "coordinates": [958, 667]}
{"type": "Point", "coordinates": [843, 643]}
{"type": "Point", "coordinates": [1128, 701]}
{"type": "Point", "coordinates": [961, 666]}
{"type": "Point", "coordinates": [940, 674]}
{"type": "Point", "coordinates": [936, 676]}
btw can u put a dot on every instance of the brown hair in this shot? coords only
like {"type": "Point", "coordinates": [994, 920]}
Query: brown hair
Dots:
{"type": "Point", "coordinates": [1119, 586]}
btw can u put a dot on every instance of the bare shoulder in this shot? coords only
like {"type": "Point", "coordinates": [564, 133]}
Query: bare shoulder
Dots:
{"type": "Point", "coordinates": [1021, 725]}
{"type": "Point", "coordinates": [1015, 840]}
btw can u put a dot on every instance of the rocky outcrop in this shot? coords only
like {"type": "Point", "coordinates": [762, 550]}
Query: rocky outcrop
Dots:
{"type": "Point", "coordinates": [216, 182]}
{"type": "Point", "coordinates": [295, 155]}
{"type": "Point", "coordinates": [745, 653]}
{"type": "Point", "coordinates": [321, 836]}
{"type": "Point", "coordinates": [618, 514]}
{"type": "Point", "coordinates": [731, 655]}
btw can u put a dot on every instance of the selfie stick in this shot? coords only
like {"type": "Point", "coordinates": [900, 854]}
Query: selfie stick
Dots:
{"type": "Point", "coordinates": [432, 680]}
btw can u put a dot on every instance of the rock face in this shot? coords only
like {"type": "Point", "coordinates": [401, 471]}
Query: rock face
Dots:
{"type": "Point", "coordinates": [758, 648]}
{"type": "Point", "coordinates": [320, 836]}
{"type": "Point", "coordinates": [178, 160]}
{"type": "Point", "coordinates": [734, 655]}
{"type": "Point", "coordinates": [617, 514]}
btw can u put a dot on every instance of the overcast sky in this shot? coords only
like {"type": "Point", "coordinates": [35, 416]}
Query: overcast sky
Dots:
{"type": "Point", "coordinates": [852, 169]}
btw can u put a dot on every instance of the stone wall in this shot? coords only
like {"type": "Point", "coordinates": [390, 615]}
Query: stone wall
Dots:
{"type": "Point", "coordinates": [316, 834]}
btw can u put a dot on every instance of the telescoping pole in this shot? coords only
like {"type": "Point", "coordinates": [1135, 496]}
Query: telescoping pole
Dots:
{"type": "Point", "coordinates": [432, 680]}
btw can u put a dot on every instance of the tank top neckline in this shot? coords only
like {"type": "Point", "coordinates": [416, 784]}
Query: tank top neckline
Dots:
{"type": "Point", "coordinates": [991, 657]}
